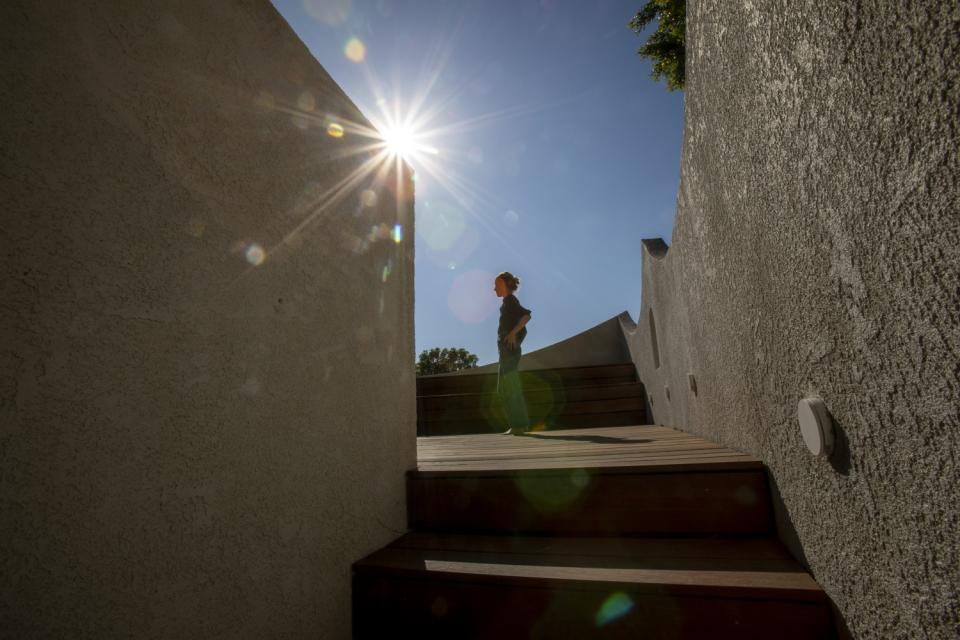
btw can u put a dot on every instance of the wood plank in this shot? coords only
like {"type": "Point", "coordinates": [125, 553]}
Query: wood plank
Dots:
{"type": "Point", "coordinates": [437, 385]}
{"type": "Point", "coordinates": [732, 463]}
{"type": "Point", "coordinates": [532, 396]}
{"type": "Point", "coordinates": [591, 466]}
{"type": "Point", "coordinates": [643, 449]}
{"type": "Point", "coordinates": [507, 451]}
{"type": "Point", "coordinates": [602, 405]}
{"type": "Point", "coordinates": [577, 502]}
{"type": "Point", "coordinates": [730, 548]}
{"type": "Point", "coordinates": [644, 431]}
{"type": "Point", "coordinates": [557, 441]}
{"type": "Point", "coordinates": [691, 568]}
{"type": "Point", "coordinates": [491, 425]}
{"type": "Point", "coordinates": [528, 382]}
{"type": "Point", "coordinates": [384, 604]}
{"type": "Point", "coordinates": [489, 460]}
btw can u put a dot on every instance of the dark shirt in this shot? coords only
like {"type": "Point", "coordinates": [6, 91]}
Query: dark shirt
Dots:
{"type": "Point", "coordinates": [510, 313]}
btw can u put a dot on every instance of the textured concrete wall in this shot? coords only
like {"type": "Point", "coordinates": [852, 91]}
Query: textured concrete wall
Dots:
{"type": "Point", "coordinates": [816, 251]}
{"type": "Point", "coordinates": [192, 445]}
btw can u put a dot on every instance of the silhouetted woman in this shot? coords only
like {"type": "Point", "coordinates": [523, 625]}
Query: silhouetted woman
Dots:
{"type": "Point", "coordinates": [510, 335]}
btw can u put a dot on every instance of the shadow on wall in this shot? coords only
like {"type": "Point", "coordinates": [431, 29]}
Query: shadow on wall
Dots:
{"type": "Point", "coordinates": [840, 456]}
{"type": "Point", "coordinates": [787, 532]}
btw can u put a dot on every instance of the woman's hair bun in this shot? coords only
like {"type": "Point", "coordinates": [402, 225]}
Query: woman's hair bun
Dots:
{"type": "Point", "coordinates": [510, 280]}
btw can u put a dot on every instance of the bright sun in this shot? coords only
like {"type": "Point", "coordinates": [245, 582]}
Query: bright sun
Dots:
{"type": "Point", "coordinates": [405, 142]}
{"type": "Point", "coordinates": [400, 141]}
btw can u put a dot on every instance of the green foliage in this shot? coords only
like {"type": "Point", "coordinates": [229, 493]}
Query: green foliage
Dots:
{"type": "Point", "coordinates": [667, 45]}
{"type": "Point", "coordinates": [438, 360]}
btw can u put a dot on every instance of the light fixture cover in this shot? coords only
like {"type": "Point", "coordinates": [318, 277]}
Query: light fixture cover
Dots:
{"type": "Point", "coordinates": [815, 425]}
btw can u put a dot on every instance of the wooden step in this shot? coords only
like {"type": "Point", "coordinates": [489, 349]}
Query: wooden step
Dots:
{"type": "Point", "coordinates": [429, 405]}
{"type": "Point", "coordinates": [583, 501]}
{"type": "Point", "coordinates": [492, 423]}
{"type": "Point", "coordinates": [645, 480]}
{"type": "Point", "coordinates": [594, 406]}
{"type": "Point", "coordinates": [453, 412]}
{"type": "Point", "coordinates": [545, 378]}
{"type": "Point", "coordinates": [475, 586]}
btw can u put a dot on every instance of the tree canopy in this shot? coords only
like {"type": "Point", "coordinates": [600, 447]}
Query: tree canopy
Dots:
{"type": "Point", "coordinates": [667, 45]}
{"type": "Point", "coordinates": [438, 360]}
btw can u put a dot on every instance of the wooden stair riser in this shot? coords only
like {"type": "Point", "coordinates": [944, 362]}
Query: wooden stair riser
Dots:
{"type": "Point", "coordinates": [567, 395]}
{"type": "Point", "coordinates": [553, 407]}
{"type": "Point", "coordinates": [480, 383]}
{"type": "Point", "coordinates": [492, 425]}
{"type": "Point", "coordinates": [488, 384]}
{"type": "Point", "coordinates": [424, 608]}
{"type": "Point", "coordinates": [578, 502]}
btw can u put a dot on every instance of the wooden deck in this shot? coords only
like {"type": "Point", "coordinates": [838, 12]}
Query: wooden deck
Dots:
{"type": "Point", "coordinates": [601, 449]}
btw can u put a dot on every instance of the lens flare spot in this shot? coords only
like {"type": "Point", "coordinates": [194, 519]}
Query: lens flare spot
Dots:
{"type": "Point", "coordinates": [335, 130]}
{"type": "Point", "coordinates": [386, 272]}
{"type": "Point", "coordinates": [613, 608]}
{"type": "Point", "coordinates": [251, 386]}
{"type": "Point", "coordinates": [196, 227]}
{"type": "Point", "coordinates": [397, 233]}
{"type": "Point", "coordinates": [441, 225]}
{"type": "Point", "coordinates": [299, 121]}
{"type": "Point", "coordinates": [332, 12]}
{"type": "Point", "coordinates": [745, 495]}
{"type": "Point", "coordinates": [255, 255]}
{"type": "Point", "coordinates": [439, 607]}
{"type": "Point", "coordinates": [355, 50]}
{"type": "Point", "coordinates": [546, 495]}
{"type": "Point", "coordinates": [306, 101]}
{"type": "Point", "coordinates": [369, 198]}
{"type": "Point", "coordinates": [451, 265]}
{"type": "Point", "coordinates": [265, 100]}
{"type": "Point", "coordinates": [580, 478]}
{"type": "Point", "coordinates": [468, 297]}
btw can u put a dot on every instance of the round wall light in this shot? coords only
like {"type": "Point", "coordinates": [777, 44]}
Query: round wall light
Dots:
{"type": "Point", "coordinates": [815, 425]}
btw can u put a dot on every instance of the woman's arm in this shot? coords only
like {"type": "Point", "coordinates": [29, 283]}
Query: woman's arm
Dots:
{"type": "Point", "coordinates": [511, 338]}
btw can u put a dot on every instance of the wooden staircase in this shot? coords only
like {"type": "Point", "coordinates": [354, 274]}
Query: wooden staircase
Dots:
{"type": "Point", "coordinates": [606, 532]}
{"type": "Point", "coordinates": [568, 398]}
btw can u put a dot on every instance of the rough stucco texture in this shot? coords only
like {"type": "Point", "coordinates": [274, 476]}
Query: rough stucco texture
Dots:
{"type": "Point", "coordinates": [816, 251]}
{"type": "Point", "coordinates": [193, 445]}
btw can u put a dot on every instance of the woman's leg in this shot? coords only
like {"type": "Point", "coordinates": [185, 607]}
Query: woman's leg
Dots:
{"type": "Point", "coordinates": [516, 405]}
{"type": "Point", "coordinates": [510, 390]}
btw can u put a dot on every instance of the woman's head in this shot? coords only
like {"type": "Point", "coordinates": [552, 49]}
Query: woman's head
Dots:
{"type": "Point", "coordinates": [505, 283]}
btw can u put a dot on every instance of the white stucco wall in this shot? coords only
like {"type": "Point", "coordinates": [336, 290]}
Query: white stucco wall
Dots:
{"type": "Point", "coordinates": [191, 446]}
{"type": "Point", "coordinates": [816, 250]}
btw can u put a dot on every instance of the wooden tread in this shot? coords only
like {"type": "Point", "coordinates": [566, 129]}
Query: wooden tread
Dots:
{"type": "Point", "coordinates": [643, 448]}
{"type": "Point", "coordinates": [751, 567]}
{"type": "Point", "coordinates": [619, 481]}
{"type": "Point", "coordinates": [475, 586]}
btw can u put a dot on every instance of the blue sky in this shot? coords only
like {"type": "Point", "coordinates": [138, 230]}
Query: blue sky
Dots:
{"type": "Point", "coordinates": [555, 152]}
